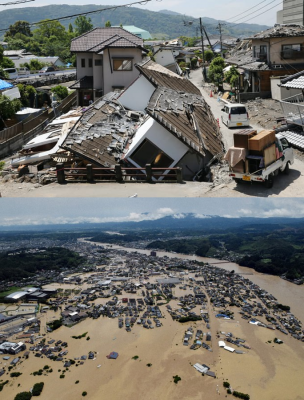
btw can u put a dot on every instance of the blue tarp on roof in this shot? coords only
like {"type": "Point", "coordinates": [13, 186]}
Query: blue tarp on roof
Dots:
{"type": "Point", "coordinates": [5, 85]}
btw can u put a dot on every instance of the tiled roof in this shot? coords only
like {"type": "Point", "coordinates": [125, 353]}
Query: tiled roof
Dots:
{"type": "Point", "coordinates": [100, 38]}
{"type": "Point", "coordinates": [188, 117]}
{"type": "Point", "coordinates": [102, 133]}
{"type": "Point", "coordinates": [161, 76]}
{"type": "Point", "coordinates": [286, 30]}
{"type": "Point", "coordinates": [295, 81]}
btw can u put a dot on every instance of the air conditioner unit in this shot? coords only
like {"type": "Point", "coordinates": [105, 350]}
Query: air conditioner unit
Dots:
{"type": "Point", "coordinates": [277, 66]}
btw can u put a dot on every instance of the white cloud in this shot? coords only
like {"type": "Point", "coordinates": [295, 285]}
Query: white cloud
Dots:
{"type": "Point", "coordinates": [131, 217]}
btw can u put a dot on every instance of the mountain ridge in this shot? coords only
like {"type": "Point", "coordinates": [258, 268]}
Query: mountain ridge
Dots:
{"type": "Point", "coordinates": [160, 24]}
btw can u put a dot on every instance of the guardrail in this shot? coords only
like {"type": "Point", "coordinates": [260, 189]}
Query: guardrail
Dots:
{"type": "Point", "coordinates": [118, 173]}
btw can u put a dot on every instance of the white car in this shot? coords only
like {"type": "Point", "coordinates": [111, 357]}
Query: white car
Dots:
{"type": "Point", "coordinates": [235, 115]}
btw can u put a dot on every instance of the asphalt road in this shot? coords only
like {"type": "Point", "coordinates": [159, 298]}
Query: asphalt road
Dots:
{"type": "Point", "coordinates": [291, 185]}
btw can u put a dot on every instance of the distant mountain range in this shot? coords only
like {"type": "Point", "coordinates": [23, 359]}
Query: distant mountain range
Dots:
{"type": "Point", "coordinates": [189, 222]}
{"type": "Point", "coordinates": [163, 24]}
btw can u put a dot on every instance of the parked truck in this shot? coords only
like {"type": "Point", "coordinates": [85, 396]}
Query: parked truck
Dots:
{"type": "Point", "coordinates": [259, 157]}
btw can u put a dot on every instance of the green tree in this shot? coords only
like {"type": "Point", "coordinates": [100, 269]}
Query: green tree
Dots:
{"type": "Point", "coordinates": [9, 107]}
{"type": "Point", "coordinates": [7, 63]}
{"type": "Point", "coordinates": [60, 91]}
{"type": "Point", "coordinates": [23, 396]}
{"type": "Point", "coordinates": [34, 65]}
{"type": "Point", "coordinates": [232, 76]}
{"type": "Point", "coordinates": [71, 29]}
{"type": "Point", "coordinates": [22, 27]}
{"type": "Point", "coordinates": [48, 29]}
{"type": "Point", "coordinates": [215, 72]}
{"type": "Point", "coordinates": [208, 55]}
{"type": "Point", "coordinates": [83, 25]}
{"type": "Point", "coordinates": [108, 24]}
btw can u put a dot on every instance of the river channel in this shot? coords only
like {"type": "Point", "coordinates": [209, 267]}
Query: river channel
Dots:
{"type": "Point", "coordinates": [286, 292]}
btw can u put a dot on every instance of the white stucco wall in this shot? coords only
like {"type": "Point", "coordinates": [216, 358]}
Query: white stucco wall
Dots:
{"type": "Point", "coordinates": [97, 72]}
{"type": "Point", "coordinates": [86, 71]}
{"type": "Point", "coordinates": [120, 78]}
{"type": "Point", "coordinates": [136, 97]}
{"type": "Point", "coordinates": [280, 93]}
{"type": "Point", "coordinates": [159, 136]}
{"type": "Point", "coordinates": [164, 58]}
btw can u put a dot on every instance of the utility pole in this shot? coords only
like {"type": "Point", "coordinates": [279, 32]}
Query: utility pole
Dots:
{"type": "Point", "coordinates": [219, 27]}
{"type": "Point", "coordinates": [203, 50]}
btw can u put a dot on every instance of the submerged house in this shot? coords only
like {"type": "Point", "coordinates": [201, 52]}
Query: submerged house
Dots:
{"type": "Point", "coordinates": [161, 120]}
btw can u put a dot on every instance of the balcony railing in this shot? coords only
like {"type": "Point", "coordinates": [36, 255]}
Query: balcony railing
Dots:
{"type": "Point", "coordinates": [261, 56]}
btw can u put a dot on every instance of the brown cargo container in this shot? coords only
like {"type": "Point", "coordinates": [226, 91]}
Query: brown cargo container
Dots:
{"type": "Point", "coordinates": [241, 138]}
{"type": "Point", "coordinates": [261, 140]}
{"type": "Point", "coordinates": [270, 155]}
{"type": "Point", "coordinates": [239, 167]}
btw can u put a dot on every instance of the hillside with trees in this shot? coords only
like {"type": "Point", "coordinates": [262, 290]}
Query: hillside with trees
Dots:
{"type": "Point", "coordinates": [163, 24]}
{"type": "Point", "coordinates": [24, 264]}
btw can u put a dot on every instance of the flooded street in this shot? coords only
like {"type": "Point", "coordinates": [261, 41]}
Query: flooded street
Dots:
{"type": "Point", "coordinates": [286, 292]}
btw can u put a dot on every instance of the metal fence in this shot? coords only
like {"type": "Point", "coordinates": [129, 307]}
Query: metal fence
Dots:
{"type": "Point", "coordinates": [293, 109]}
{"type": "Point", "coordinates": [118, 173]}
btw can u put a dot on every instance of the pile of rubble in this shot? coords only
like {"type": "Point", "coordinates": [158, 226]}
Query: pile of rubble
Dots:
{"type": "Point", "coordinates": [265, 112]}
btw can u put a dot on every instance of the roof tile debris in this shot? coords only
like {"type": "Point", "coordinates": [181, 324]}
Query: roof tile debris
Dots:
{"type": "Point", "coordinates": [277, 31]}
{"type": "Point", "coordinates": [188, 117]}
{"type": "Point", "coordinates": [98, 39]}
{"type": "Point", "coordinates": [295, 81]}
{"type": "Point", "coordinates": [103, 132]}
{"type": "Point", "coordinates": [161, 76]}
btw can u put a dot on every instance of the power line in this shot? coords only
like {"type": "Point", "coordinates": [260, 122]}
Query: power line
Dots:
{"type": "Point", "coordinates": [246, 10]}
{"type": "Point", "coordinates": [243, 22]}
{"type": "Point", "coordinates": [256, 10]}
{"type": "Point", "coordinates": [86, 13]}
{"type": "Point", "coordinates": [16, 2]}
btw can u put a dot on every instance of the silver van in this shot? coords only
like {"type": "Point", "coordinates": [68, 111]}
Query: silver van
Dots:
{"type": "Point", "coordinates": [12, 73]}
{"type": "Point", "coordinates": [234, 115]}
{"type": "Point", "coordinates": [23, 72]}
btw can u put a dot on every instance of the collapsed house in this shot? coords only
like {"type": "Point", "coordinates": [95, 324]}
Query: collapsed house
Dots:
{"type": "Point", "coordinates": [173, 127]}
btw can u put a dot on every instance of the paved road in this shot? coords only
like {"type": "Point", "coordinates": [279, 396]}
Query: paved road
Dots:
{"type": "Point", "coordinates": [284, 186]}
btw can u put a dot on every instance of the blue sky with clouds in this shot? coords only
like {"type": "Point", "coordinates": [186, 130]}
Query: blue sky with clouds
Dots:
{"type": "Point", "coordinates": [77, 210]}
{"type": "Point", "coordinates": [218, 9]}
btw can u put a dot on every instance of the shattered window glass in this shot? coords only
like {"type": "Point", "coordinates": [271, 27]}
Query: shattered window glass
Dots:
{"type": "Point", "coordinates": [122, 65]}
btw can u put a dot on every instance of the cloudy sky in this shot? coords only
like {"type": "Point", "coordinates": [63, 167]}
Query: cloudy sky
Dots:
{"type": "Point", "coordinates": [234, 11]}
{"type": "Point", "coordinates": [77, 210]}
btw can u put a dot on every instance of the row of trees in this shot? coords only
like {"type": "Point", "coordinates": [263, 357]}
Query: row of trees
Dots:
{"type": "Point", "coordinates": [50, 38]}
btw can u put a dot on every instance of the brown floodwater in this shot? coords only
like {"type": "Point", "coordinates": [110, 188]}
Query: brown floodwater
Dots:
{"type": "Point", "coordinates": [286, 292]}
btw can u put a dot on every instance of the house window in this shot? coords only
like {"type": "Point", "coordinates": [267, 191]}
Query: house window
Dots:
{"type": "Point", "coordinates": [294, 47]}
{"type": "Point", "coordinates": [122, 65]}
{"type": "Point", "coordinates": [90, 62]}
{"type": "Point", "coordinates": [83, 62]}
{"type": "Point", "coordinates": [291, 51]}
{"type": "Point", "coordinates": [98, 62]}
{"type": "Point", "coordinates": [148, 153]}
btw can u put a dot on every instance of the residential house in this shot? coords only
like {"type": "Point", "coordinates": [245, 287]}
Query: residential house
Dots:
{"type": "Point", "coordinates": [275, 52]}
{"type": "Point", "coordinates": [165, 56]}
{"type": "Point", "coordinates": [173, 127]}
{"type": "Point", "coordinates": [106, 59]}
{"type": "Point", "coordinates": [141, 33]}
